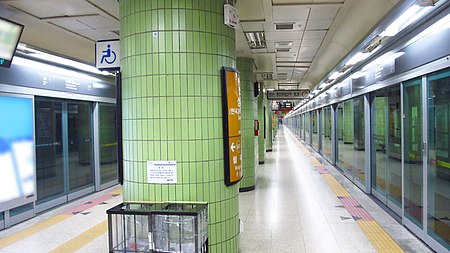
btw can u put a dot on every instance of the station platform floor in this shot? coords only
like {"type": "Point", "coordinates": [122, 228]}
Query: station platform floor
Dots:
{"type": "Point", "coordinates": [301, 204]}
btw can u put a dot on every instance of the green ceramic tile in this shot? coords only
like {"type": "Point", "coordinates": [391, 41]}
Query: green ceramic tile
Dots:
{"type": "Point", "coordinates": [165, 77]}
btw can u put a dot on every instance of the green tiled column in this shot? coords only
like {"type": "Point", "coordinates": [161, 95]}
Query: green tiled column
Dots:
{"type": "Point", "coordinates": [171, 55]}
{"type": "Point", "coordinates": [261, 149]}
{"type": "Point", "coordinates": [268, 116]}
{"type": "Point", "coordinates": [248, 115]}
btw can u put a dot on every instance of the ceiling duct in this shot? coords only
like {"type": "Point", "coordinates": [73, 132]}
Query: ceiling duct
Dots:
{"type": "Point", "coordinates": [284, 26]}
{"type": "Point", "coordinates": [283, 50]}
{"type": "Point", "coordinates": [283, 43]}
{"type": "Point", "coordinates": [282, 76]}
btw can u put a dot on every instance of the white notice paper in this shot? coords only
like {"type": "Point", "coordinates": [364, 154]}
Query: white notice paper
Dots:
{"type": "Point", "coordinates": [162, 172]}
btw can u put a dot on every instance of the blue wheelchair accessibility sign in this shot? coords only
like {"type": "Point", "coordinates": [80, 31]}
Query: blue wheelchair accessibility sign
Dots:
{"type": "Point", "coordinates": [107, 55]}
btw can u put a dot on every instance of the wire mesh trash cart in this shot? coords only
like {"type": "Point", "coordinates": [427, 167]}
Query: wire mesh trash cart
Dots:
{"type": "Point", "coordinates": [158, 227]}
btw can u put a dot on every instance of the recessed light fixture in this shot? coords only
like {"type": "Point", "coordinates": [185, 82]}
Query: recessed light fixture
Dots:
{"type": "Point", "coordinates": [255, 40]}
{"type": "Point", "coordinates": [284, 44]}
{"type": "Point", "coordinates": [407, 18]}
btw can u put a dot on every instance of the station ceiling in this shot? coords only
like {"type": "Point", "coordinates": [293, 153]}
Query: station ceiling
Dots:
{"type": "Point", "coordinates": [305, 39]}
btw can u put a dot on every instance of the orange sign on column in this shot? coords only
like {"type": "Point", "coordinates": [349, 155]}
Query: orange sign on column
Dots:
{"type": "Point", "coordinates": [231, 104]}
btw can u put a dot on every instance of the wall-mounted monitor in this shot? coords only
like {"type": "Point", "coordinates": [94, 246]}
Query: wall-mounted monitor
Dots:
{"type": "Point", "coordinates": [10, 33]}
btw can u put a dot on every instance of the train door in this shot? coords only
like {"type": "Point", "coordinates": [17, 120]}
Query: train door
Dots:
{"type": "Point", "coordinates": [64, 151]}
{"type": "Point", "coordinates": [426, 158]}
{"type": "Point", "coordinates": [386, 165]}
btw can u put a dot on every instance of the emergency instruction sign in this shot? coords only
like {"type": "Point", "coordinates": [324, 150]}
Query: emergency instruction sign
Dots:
{"type": "Point", "coordinates": [231, 107]}
{"type": "Point", "coordinates": [161, 172]}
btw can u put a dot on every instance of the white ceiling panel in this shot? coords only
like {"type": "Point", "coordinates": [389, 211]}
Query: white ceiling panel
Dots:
{"type": "Point", "coordinates": [305, 58]}
{"type": "Point", "coordinates": [311, 42]}
{"type": "Point", "coordinates": [292, 1]}
{"type": "Point", "coordinates": [287, 86]}
{"type": "Point", "coordinates": [43, 9]}
{"type": "Point", "coordinates": [286, 55]}
{"type": "Point", "coordinates": [109, 6]}
{"type": "Point", "coordinates": [287, 13]}
{"type": "Point", "coordinates": [99, 22]}
{"type": "Point", "coordinates": [252, 26]}
{"type": "Point", "coordinates": [284, 70]}
{"type": "Point", "coordinates": [95, 35]}
{"type": "Point", "coordinates": [251, 10]}
{"type": "Point", "coordinates": [302, 65]}
{"type": "Point", "coordinates": [265, 62]}
{"type": "Point", "coordinates": [319, 24]}
{"type": "Point", "coordinates": [259, 51]}
{"type": "Point", "coordinates": [329, 1]}
{"type": "Point", "coordinates": [324, 12]}
{"type": "Point", "coordinates": [284, 35]}
{"type": "Point", "coordinates": [315, 34]}
{"type": "Point", "coordinates": [306, 54]}
{"type": "Point", "coordinates": [305, 1]}
{"type": "Point", "coordinates": [270, 46]}
{"type": "Point", "coordinates": [70, 24]}
{"type": "Point", "coordinates": [287, 59]}
{"type": "Point", "coordinates": [308, 50]}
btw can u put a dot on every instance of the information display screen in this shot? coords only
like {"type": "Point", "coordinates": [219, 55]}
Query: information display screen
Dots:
{"type": "Point", "coordinates": [9, 38]}
{"type": "Point", "coordinates": [17, 170]}
{"type": "Point", "coordinates": [286, 106]}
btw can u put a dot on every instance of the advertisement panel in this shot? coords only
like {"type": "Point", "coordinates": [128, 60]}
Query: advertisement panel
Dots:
{"type": "Point", "coordinates": [18, 171]}
{"type": "Point", "coordinates": [231, 104]}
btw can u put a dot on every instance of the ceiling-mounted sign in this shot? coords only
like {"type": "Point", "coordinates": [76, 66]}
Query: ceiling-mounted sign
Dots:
{"type": "Point", "coordinates": [231, 15]}
{"type": "Point", "coordinates": [231, 104]}
{"type": "Point", "coordinates": [107, 55]}
{"type": "Point", "coordinates": [288, 94]}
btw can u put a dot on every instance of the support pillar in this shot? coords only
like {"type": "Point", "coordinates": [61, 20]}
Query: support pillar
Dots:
{"type": "Point", "coordinates": [248, 115]}
{"type": "Point", "coordinates": [171, 56]}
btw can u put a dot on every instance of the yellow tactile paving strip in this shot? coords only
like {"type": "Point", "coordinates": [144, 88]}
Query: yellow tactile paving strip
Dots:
{"type": "Point", "coordinates": [379, 238]}
{"type": "Point", "coordinates": [335, 185]}
{"type": "Point", "coordinates": [16, 237]}
{"type": "Point", "coordinates": [118, 191]}
{"type": "Point", "coordinates": [5, 242]}
{"type": "Point", "coordinates": [79, 241]}
{"type": "Point", "coordinates": [314, 161]}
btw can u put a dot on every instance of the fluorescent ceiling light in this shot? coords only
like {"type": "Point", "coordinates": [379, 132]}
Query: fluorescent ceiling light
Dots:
{"type": "Point", "coordinates": [360, 56]}
{"type": "Point", "coordinates": [335, 75]}
{"type": "Point", "coordinates": [60, 60]}
{"type": "Point", "coordinates": [323, 85]}
{"type": "Point", "coordinates": [255, 40]}
{"type": "Point", "coordinates": [53, 69]}
{"type": "Point", "coordinates": [283, 44]}
{"type": "Point", "coordinates": [441, 25]}
{"type": "Point", "coordinates": [358, 74]}
{"type": "Point", "coordinates": [407, 18]}
{"type": "Point", "coordinates": [388, 57]}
